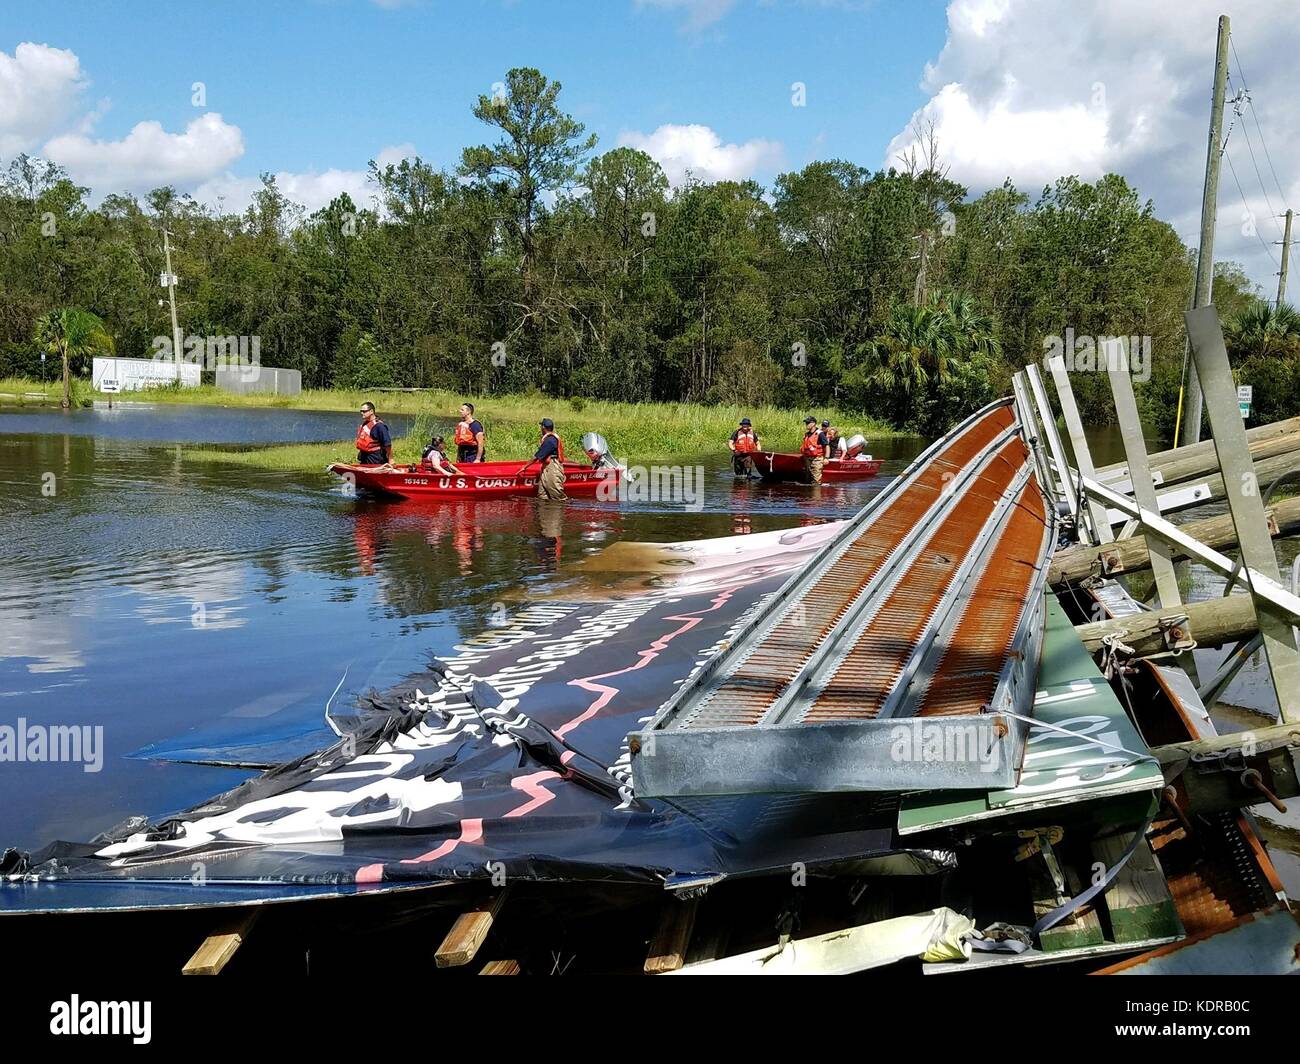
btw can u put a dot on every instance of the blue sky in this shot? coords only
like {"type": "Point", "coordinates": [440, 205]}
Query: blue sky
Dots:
{"type": "Point", "coordinates": [327, 83]}
{"type": "Point", "coordinates": [312, 89]}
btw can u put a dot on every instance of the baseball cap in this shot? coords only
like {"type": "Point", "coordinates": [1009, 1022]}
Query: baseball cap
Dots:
{"type": "Point", "coordinates": [547, 423]}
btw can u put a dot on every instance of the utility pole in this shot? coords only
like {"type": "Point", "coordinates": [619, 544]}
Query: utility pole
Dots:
{"type": "Point", "coordinates": [171, 296]}
{"type": "Point", "coordinates": [1286, 251]}
{"type": "Point", "coordinates": [918, 289]}
{"type": "Point", "coordinates": [1191, 429]}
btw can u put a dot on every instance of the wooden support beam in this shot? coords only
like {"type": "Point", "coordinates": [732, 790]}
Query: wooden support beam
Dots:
{"type": "Point", "coordinates": [1211, 623]}
{"type": "Point", "coordinates": [1138, 899]}
{"type": "Point", "coordinates": [668, 948]}
{"type": "Point", "coordinates": [468, 933]}
{"type": "Point", "coordinates": [220, 946]}
{"type": "Point", "coordinates": [504, 967]}
{"type": "Point", "coordinates": [1130, 555]}
{"type": "Point", "coordinates": [1186, 463]}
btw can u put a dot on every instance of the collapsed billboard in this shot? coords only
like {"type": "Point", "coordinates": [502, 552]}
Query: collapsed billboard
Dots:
{"type": "Point", "coordinates": [507, 758]}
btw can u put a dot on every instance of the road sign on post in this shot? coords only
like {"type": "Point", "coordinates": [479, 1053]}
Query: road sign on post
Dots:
{"type": "Point", "coordinates": [1245, 394]}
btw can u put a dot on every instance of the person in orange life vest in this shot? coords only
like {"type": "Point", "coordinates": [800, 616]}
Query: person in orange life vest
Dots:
{"type": "Point", "coordinates": [374, 441]}
{"type": "Point", "coordinates": [470, 443]}
{"type": "Point", "coordinates": [813, 449]}
{"type": "Point", "coordinates": [743, 443]}
{"type": "Point", "coordinates": [435, 458]}
{"type": "Point", "coordinates": [550, 452]}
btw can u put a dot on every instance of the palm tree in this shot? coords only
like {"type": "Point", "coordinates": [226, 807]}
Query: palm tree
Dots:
{"type": "Point", "coordinates": [72, 333]}
{"type": "Point", "coordinates": [912, 349]}
{"type": "Point", "coordinates": [919, 344]}
{"type": "Point", "coordinates": [1263, 330]}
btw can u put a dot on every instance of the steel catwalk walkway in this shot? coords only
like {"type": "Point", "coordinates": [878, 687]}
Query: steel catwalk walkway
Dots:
{"type": "Point", "coordinates": [894, 661]}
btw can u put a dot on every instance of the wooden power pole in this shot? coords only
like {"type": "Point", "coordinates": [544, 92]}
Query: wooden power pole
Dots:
{"type": "Point", "coordinates": [170, 281]}
{"type": "Point", "coordinates": [1191, 427]}
{"type": "Point", "coordinates": [1286, 251]}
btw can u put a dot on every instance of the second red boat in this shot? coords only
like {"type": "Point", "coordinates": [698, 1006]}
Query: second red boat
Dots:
{"type": "Point", "coordinates": [778, 466]}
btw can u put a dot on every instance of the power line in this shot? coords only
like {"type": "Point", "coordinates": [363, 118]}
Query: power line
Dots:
{"type": "Point", "coordinates": [1245, 132]}
{"type": "Point", "coordinates": [1255, 114]}
{"type": "Point", "coordinates": [1262, 242]}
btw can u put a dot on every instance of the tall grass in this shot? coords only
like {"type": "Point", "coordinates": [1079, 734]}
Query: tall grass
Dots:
{"type": "Point", "coordinates": [640, 433]}
{"type": "Point", "coordinates": [24, 391]}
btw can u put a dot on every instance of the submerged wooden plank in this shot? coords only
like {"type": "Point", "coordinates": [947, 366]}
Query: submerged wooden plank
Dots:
{"type": "Point", "coordinates": [668, 948]}
{"type": "Point", "coordinates": [468, 933]}
{"type": "Point", "coordinates": [220, 946]}
{"type": "Point", "coordinates": [503, 967]}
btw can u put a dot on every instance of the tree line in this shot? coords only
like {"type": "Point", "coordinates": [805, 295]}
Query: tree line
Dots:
{"type": "Point", "coordinates": [540, 263]}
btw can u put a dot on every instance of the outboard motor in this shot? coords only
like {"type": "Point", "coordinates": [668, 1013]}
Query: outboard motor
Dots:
{"type": "Point", "coordinates": [598, 451]}
{"type": "Point", "coordinates": [855, 445]}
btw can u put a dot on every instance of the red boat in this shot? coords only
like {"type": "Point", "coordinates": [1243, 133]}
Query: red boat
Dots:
{"type": "Point", "coordinates": [777, 466]}
{"type": "Point", "coordinates": [478, 480]}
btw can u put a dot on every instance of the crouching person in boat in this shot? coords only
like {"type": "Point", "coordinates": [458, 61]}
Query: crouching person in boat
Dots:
{"type": "Point", "coordinates": [374, 441]}
{"type": "Point", "coordinates": [550, 452]}
{"type": "Point", "coordinates": [743, 443]}
{"type": "Point", "coordinates": [435, 458]}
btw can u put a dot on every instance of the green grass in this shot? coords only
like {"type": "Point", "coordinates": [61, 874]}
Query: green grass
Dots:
{"type": "Point", "coordinates": [639, 433]}
{"type": "Point", "coordinates": [23, 391]}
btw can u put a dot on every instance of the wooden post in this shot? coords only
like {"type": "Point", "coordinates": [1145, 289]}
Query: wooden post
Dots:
{"type": "Point", "coordinates": [1130, 555]}
{"type": "Point", "coordinates": [220, 946]}
{"type": "Point", "coordinates": [1183, 463]}
{"type": "Point", "coordinates": [468, 933]}
{"type": "Point", "coordinates": [1211, 623]}
{"type": "Point", "coordinates": [668, 948]}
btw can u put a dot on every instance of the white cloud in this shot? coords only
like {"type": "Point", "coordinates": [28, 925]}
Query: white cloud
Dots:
{"type": "Point", "coordinates": [312, 190]}
{"type": "Point", "coordinates": [395, 153]}
{"type": "Point", "coordinates": [39, 88]}
{"type": "Point", "coordinates": [1035, 89]}
{"type": "Point", "coordinates": [149, 156]}
{"type": "Point", "coordinates": [700, 14]}
{"type": "Point", "coordinates": [699, 150]}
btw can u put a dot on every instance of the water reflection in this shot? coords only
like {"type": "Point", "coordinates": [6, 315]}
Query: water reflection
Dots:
{"type": "Point", "coordinates": [171, 601]}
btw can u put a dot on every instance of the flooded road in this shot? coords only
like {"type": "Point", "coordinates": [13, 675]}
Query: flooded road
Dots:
{"type": "Point", "coordinates": [182, 605]}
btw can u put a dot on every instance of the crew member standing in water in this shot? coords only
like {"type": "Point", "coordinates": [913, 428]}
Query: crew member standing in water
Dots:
{"type": "Point", "coordinates": [550, 452]}
{"type": "Point", "coordinates": [743, 443]}
{"type": "Point", "coordinates": [374, 441]}
{"type": "Point", "coordinates": [813, 449]}
{"type": "Point", "coordinates": [470, 442]}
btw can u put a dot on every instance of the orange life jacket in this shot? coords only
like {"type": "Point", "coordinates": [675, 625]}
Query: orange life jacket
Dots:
{"type": "Point", "coordinates": [464, 435]}
{"type": "Point", "coordinates": [559, 447]}
{"type": "Point", "coordinates": [746, 442]}
{"type": "Point", "coordinates": [811, 448]}
{"type": "Point", "coordinates": [365, 444]}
